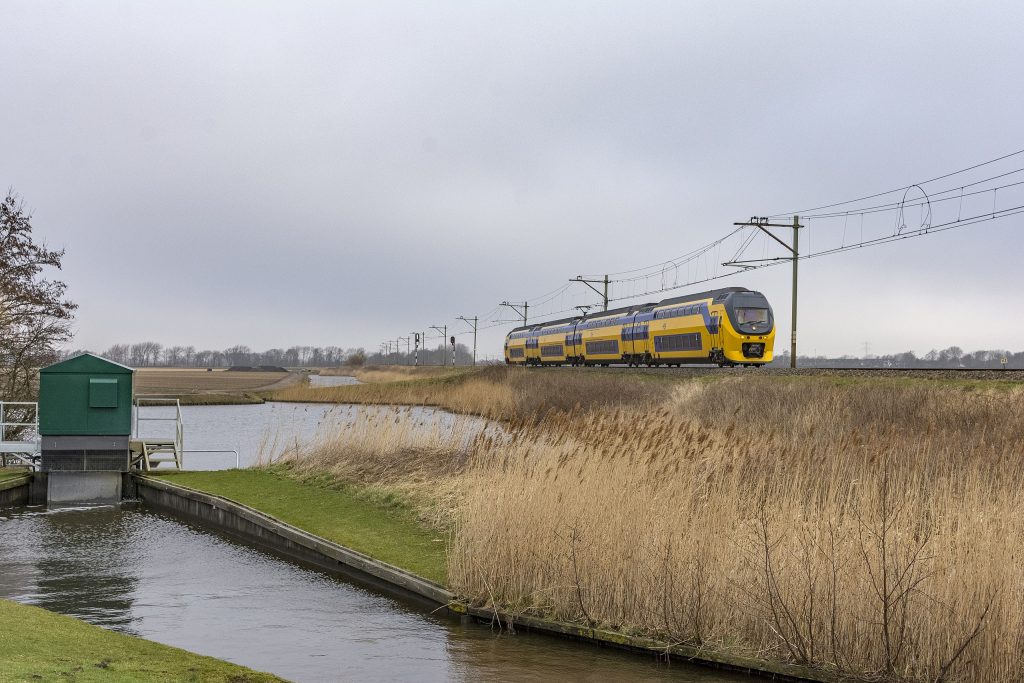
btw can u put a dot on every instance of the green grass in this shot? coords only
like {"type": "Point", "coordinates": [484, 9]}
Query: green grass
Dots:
{"type": "Point", "coordinates": [12, 473]}
{"type": "Point", "coordinates": [37, 645]}
{"type": "Point", "coordinates": [380, 529]}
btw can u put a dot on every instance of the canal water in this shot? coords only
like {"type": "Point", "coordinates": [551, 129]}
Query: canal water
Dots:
{"type": "Point", "coordinates": [266, 429]}
{"type": "Point", "coordinates": [146, 574]}
{"type": "Point", "coordinates": [332, 380]}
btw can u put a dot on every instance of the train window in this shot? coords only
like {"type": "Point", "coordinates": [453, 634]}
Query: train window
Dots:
{"type": "Point", "coordinates": [751, 315]}
{"type": "Point", "coordinates": [677, 342]}
{"type": "Point", "coordinates": [603, 347]}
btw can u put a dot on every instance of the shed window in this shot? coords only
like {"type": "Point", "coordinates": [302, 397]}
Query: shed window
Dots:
{"type": "Point", "coordinates": [102, 392]}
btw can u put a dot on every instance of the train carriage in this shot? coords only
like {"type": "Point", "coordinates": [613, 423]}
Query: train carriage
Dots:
{"type": "Point", "coordinates": [604, 335]}
{"type": "Point", "coordinates": [553, 340]}
{"type": "Point", "coordinates": [731, 326]}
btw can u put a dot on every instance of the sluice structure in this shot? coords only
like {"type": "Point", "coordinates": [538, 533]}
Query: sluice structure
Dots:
{"type": "Point", "coordinates": [85, 429]}
{"type": "Point", "coordinates": [85, 421]}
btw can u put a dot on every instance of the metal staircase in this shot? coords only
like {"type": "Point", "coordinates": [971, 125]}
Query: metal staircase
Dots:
{"type": "Point", "coordinates": [150, 450]}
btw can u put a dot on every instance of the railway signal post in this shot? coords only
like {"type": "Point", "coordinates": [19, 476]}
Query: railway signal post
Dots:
{"type": "Point", "coordinates": [762, 224]}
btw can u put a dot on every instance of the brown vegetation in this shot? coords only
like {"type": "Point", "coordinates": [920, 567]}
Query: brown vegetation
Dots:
{"type": "Point", "coordinates": [872, 529]}
{"type": "Point", "coordinates": [496, 392]}
{"type": "Point", "coordinates": [179, 381]}
{"type": "Point", "coordinates": [375, 374]}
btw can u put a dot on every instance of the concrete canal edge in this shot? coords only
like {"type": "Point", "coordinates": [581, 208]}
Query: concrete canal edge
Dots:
{"type": "Point", "coordinates": [269, 532]}
{"type": "Point", "coordinates": [16, 491]}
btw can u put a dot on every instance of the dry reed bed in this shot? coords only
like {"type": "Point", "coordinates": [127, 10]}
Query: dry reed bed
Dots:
{"type": "Point", "coordinates": [497, 392]}
{"type": "Point", "coordinates": [873, 529]}
{"type": "Point", "coordinates": [394, 373]}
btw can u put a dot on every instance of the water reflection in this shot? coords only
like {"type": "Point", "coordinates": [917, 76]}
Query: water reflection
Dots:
{"type": "Point", "coordinates": [146, 574]}
{"type": "Point", "coordinates": [55, 565]}
{"type": "Point", "coordinates": [332, 380]}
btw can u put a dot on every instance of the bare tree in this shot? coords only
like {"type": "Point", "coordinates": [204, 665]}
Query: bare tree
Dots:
{"type": "Point", "coordinates": [35, 316]}
{"type": "Point", "coordinates": [118, 353]}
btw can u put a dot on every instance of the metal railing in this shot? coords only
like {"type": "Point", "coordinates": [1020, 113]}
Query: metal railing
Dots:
{"type": "Point", "coordinates": [179, 428]}
{"type": "Point", "coordinates": [157, 402]}
{"type": "Point", "coordinates": [214, 450]}
{"type": "Point", "coordinates": [23, 451]}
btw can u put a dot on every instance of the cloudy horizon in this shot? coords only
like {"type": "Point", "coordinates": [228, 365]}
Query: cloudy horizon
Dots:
{"type": "Point", "coordinates": [272, 174]}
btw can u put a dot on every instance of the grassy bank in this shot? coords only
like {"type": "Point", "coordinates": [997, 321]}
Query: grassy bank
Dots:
{"type": "Point", "coordinates": [37, 645]}
{"type": "Point", "coordinates": [13, 472]}
{"type": "Point", "coordinates": [371, 522]}
{"type": "Point", "coordinates": [870, 528]}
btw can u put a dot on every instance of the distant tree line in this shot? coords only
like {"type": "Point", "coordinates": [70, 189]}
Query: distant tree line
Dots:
{"type": "Point", "coordinates": [152, 354]}
{"type": "Point", "coordinates": [953, 357]}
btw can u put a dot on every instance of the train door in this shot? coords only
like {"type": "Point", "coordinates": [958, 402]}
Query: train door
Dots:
{"type": "Point", "coordinates": [717, 337]}
{"type": "Point", "coordinates": [571, 350]}
{"type": "Point", "coordinates": [628, 337]}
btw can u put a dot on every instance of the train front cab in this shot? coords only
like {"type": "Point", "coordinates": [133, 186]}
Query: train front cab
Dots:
{"type": "Point", "coordinates": [748, 328]}
{"type": "Point", "coordinates": [729, 327]}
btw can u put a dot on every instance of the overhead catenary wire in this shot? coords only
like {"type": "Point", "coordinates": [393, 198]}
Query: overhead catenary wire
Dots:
{"type": "Point", "coordinates": [702, 271]}
{"type": "Point", "coordinates": [932, 198]}
{"type": "Point", "coordinates": [802, 212]}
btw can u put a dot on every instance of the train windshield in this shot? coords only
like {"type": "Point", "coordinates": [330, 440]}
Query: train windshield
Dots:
{"type": "Point", "coordinates": [746, 316]}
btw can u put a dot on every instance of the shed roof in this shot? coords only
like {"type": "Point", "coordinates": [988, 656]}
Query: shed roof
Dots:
{"type": "Point", "coordinates": [87, 363]}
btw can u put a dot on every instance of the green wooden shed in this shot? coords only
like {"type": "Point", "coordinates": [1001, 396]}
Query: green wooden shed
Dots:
{"type": "Point", "coordinates": [85, 414]}
{"type": "Point", "coordinates": [85, 396]}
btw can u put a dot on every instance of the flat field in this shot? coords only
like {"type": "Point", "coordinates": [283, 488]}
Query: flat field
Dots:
{"type": "Point", "coordinates": [185, 381]}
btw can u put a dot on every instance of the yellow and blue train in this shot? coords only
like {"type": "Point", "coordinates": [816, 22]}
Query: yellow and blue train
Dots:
{"type": "Point", "coordinates": [731, 326]}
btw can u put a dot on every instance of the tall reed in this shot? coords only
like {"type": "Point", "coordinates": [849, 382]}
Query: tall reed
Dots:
{"type": "Point", "coordinates": [873, 529]}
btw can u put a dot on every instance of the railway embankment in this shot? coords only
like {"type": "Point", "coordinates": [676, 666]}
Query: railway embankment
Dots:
{"type": "Point", "coordinates": [507, 394]}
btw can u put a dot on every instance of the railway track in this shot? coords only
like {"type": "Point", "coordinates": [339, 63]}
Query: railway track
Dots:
{"type": "Point", "coordinates": [986, 374]}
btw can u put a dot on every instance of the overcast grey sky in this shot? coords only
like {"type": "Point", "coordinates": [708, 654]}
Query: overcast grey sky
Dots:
{"type": "Point", "coordinates": [338, 173]}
